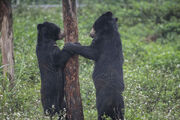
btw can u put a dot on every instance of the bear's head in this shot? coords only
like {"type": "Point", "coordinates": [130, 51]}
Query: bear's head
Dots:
{"type": "Point", "coordinates": [104, 24]}
{"type": "Point", "coordinates": [50, 31]}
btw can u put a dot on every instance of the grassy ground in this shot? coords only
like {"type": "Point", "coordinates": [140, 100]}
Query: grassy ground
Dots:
{"type": "Point", "coordinates": [151, 69]}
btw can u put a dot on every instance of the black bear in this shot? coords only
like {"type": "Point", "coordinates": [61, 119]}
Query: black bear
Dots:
{"type": "Point", "coordinates": [51, 62]}
{"type": "Point", "coordinates": [106, 51]}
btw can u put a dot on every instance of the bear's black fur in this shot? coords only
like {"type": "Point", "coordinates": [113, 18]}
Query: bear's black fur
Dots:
{"type": "Point", "coordinates": [51, 62]}
{"type": "Point", "coordinates": [106, 51]}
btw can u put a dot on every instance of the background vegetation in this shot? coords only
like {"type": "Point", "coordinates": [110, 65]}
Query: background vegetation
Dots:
{"type": "Point", "coordinates": [150, 33]}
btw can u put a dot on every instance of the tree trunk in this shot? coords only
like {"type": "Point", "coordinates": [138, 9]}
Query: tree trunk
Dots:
{"type": "Point", "coordinates": [7, 40]}
{"type": "Point", "coordinates": [72, 88]}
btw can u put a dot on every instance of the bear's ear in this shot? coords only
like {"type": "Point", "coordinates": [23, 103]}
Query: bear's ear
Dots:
{"type": "Point", "coordinates": [46, 23]}
{"type": "Point", "coordinates": [116, 19]}
{"type": "Point", "coordinates": [109, 13]}
{"type": "Point", "coordinates": [39, 26]}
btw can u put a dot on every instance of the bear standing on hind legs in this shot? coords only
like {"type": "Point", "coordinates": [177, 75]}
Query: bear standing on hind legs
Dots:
{"type": "Point", "coordinates": [106, 51]}
{"type": "Point", "coordinates": [51, 62]}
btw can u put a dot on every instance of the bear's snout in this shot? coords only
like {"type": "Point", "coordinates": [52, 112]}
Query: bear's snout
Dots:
{"type": "Point", "coordinates": [92, 33]}
{"type": "Point", "coordinates": [61, 35]}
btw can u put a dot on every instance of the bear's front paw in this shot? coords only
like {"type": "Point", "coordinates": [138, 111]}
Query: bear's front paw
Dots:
{"type": "Point", "coordinates": [69, 47]}
{"type": "Point", "coordinates": [77, 43]}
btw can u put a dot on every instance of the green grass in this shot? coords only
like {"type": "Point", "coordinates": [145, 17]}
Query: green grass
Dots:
{"type": "Point", "coordinates": [151, 69]}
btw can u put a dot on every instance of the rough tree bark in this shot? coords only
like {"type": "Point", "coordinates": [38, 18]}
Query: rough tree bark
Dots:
{"type": "Point", "coordinates": [72, 88]}
{"type": "Point", "coordinates": [6, 40]}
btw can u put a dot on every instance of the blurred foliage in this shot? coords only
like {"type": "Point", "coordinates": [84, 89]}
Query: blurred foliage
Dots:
{"type": "Point", "coordinates": [150, 32]}
{"type": "Point", "coordinates": [35, 2]}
